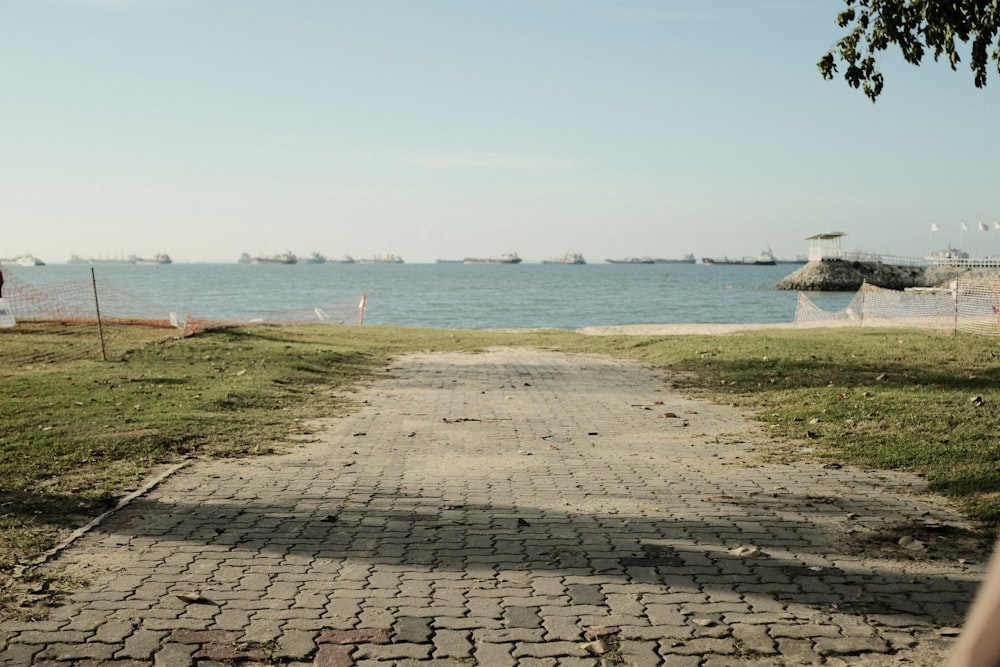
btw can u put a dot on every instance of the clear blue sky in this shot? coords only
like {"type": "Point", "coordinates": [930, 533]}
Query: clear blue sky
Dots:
{"type": "Point", "coordinates": [447, 128]}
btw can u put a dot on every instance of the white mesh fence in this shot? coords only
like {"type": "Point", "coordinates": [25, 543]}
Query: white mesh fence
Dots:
{"type": "Point", "coordinates": [969, 306]}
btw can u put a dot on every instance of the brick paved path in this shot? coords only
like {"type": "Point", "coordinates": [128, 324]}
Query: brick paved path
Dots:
{"type": "Point", "coordinates": [509, 508]}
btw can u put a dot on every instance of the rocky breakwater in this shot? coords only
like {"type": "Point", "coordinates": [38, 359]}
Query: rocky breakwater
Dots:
{"type": "Point", "coordinates": [836, 275]}
{"type": "Point", "coordinates": [846, 276]}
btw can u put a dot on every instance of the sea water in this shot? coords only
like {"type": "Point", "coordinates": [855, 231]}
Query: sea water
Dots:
{"type": "Point", "coordinates": [455, 295]}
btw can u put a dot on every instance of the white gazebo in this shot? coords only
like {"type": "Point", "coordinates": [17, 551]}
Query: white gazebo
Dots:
{"type": "Point", "coordinates": [819, 250]}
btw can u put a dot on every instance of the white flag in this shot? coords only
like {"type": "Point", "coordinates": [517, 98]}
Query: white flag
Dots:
{"type": "Point", "coordinates": [935, 227]}
{"type": "Point", "coordinates": [965, 227]}
{"type": "Point", "coordinates": [983, 227]}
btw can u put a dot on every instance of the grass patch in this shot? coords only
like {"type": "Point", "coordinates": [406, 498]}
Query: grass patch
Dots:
{"type": "Point", "coordinates": [76, 435]}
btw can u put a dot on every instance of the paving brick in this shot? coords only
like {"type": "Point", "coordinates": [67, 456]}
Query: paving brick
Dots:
{"type": "Point", "coordinates": [393, 651]}
{"type": "Point", "coordinates": [753, 639]}
{"type": "Point", "coordinates": [640, 653]}
{"type": "Point", "coordinates": [295, 645]}
{"type": "Point", "coordinates": [798, 651]}
{"type": "Point", "coordinates": [452, 644]}
{"type": "Point", "coordinates": [522, 617]}
{"type": "Point", "coordinates": [562, 628]}
{"type": "Point", "coordinates": [230, 653]}
{"type": "Point", "coordinates": [549, 649]}
{"type": "Point", "coordinates": [411, 629]}
{"type": "Point", "coordinates": [585, 594]}
{"type": "Point", "coordinates": [175, 655]}
{"type": "Point", "coordinates": [498, 654]}
{"type": "Point", "coordinates": [359, 636]}
{"type": "Point", "coordinates": [76, 651]}
{"type": "Point", "coordinates": [850, 645]}
{"type": "Point", "coordinates": [704, 645]}
{"type": "Point", "coordinates": [141, 644]}
{"type": "Point", "coordinates": [331, 655]}
{"type": "Point", "coordinates": [19, 655]}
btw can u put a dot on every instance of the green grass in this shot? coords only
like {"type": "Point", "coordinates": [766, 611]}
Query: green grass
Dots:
{"type": "Point", "coordinates": [76, 435]}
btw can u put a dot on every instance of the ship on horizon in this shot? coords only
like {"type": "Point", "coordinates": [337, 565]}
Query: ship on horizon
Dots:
{"type": "Point", "coordinates": [506, 258]}
{"type": "Point", "coordinates": [23, 260]}
{"type": "Point", "coordinates": [632, 260]}
{"type": "Point", "coordinates": [763, 258]}
{"type": "Point", "coordinates": [282, 258]}
{"type": "Point", "coordinates": [568, 258]}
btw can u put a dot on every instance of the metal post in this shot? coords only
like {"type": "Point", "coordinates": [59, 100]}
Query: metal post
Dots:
{"type": "Point", "coordinates": [97, 306]}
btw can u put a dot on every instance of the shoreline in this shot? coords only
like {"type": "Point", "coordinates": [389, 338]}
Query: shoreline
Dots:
{"type": "Point", "coordinates": [709, 329]}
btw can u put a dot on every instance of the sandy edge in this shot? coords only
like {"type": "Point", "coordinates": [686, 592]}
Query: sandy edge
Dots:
{"type": "Point", "coordinates": [702, 329]}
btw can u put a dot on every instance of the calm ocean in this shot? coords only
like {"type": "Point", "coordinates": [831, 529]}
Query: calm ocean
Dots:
{"type": "Point", "coordinates": [460, 296]}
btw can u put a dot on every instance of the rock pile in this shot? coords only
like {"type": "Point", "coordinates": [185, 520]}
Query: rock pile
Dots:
{"type": "Point", "coordinates": [846, 276]}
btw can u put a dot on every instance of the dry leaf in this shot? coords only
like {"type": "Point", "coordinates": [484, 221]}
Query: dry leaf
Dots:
{"type": "Point", "coordinates": [190, 597]}
{"type": "Point", "coordinates": [745, 551]}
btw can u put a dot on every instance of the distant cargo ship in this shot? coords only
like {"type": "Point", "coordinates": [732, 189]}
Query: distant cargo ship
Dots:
{"type": "Point", "coordinates": [158, 258]}
{"type": "Point", "coordinates": [632, 260]}
{"type": "Point", "coordinates": [764, 258]}
{"type": "Point", "coordinates": [283, 258]}
{"type": "Point", "coordinates": [506, 258]}
{"type": "Point", "coordinates": [568, 258]}
{"type": "Point", "coordinates": [382, 259]}
{"type": "Point", "coordinates": [688, 258]}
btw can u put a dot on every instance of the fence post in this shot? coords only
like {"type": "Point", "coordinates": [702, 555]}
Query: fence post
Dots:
{"type": "Point", "coordinates": [864, 301]}
{"type": "Point", "coordinates": [954, 296]}
{"type": "Point", "coordinates": [97, 306]}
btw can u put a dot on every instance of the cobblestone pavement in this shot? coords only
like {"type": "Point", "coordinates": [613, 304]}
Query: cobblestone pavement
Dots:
{"type": "Point", "coordinates": [510, 508]}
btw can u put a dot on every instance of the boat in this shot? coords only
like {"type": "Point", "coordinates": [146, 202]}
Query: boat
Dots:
{"type": "Point", "coordinates": [764, 258]}
{"type": "Point", "coordinates": [568, 258]}
{"type": "Point", "coordinates": [283, 258]}
{"type": "Point", "coordinates": [346, 259]}
{"type": "Point", "coordinates": [382, 259]}
{"type": "Point", "coordinates": [632, 260]}
{"type": "Point", "coordinates": [506, 258]}
{"type": "Point", "coordinates": [76, 259]}
{"type": "Point", "coordinates": [799, 259]}
{"type": "Point", "coordinates": [23, 260]}
{"type": "Point", "coordinates": [687, 258]}
{"type": "Point", "coordinates": [946, 256]}
{"type": "Point", "coordinates": [315, 258]}
{"type": "Point", "coordinates": [158, 258]}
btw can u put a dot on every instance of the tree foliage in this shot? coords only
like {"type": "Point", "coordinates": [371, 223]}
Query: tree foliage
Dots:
{"type": "Point", "coordinates": [917, 27]}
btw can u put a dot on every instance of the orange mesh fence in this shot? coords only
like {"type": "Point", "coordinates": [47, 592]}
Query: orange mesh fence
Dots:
{"type": "Point", "coordinates": [965, 305]}
{"type": "Point", "coordinates": [73, 313]}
